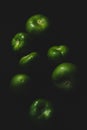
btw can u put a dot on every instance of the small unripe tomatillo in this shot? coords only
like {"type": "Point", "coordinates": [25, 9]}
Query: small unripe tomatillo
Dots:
{"type": "Point", "coordinates": [40, 110]}
{"type": "Point", "coordinates": [19, 41]}
{"type": "Point", "coordinates": [28, 59]}
{"type": "Point", "coordinates": [19, 82]}
{"type": "Point", "coordinates": [37, 24]}
{"type": "Point", "coordinates": [57, 53]}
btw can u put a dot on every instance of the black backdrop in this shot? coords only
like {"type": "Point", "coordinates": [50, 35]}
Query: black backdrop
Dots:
{"type": "Point", "coordinates": [68, 24]}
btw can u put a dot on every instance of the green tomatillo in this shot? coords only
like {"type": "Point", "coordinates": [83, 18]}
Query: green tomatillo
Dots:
{"type": "Point", "coordinates": [57, 53]}
{"type": "Point", "coordinates": [19, 41]}
{"type": "Point", "coordinates": [40, 110]}
{"type": "Point", "coordinates": [37, 24]}
{"type": "Point", "coordinates": [28, 59]}
{"type": "Point", "coordinates": [64, 75]}
{"type": "Point", "coordinates": [19, 82]}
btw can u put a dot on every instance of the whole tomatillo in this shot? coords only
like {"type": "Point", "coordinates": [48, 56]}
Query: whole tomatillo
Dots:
{"type": "Point", "coordinates": [57, 53]}
{"type": "Point", "coordinates": [63, 76]}
{"type": "Point", "coordinates": [40, 110]}
{"type": "Point", "coordinates": [37, 24]}
{"type": "Point", "coordinates": [28, 59]}
{"type": "Point", "coordinates": [19, 81]}
{"type": "Point", "coordinates": [19, 40]}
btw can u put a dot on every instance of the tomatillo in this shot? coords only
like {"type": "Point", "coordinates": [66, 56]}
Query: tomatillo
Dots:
{"type": "Point", "coordinates": [64, 76]}
{"type": "Point", "coordinates": [56, 53]}
{"type": "Point", "coordinates": [40, 110]}
{"type": "Point", "coordinates": [19, 41]}
{"type": "Point", "coordinates": [19, 81]}
{"type": "Point", "coordinates": [28, 59]}
{"type": "Point", "coordinates": [37, 23]}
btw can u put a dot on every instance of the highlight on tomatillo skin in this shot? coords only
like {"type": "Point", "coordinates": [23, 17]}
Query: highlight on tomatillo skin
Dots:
{"type": "Point", "coordinates": [28, 59]}
{"type": "Point", "coordinates": [19, 41]}
{"type": "Point", "coordinates": [40, 109]}
{"type": "Point", "coordinates": [64, 75]}
{"type": "Point", "coordinates": [37, 23]}
{"type": "Point", "coordinates": [56, 53]}
{"type": "Point", "coordinates": [19, 81]}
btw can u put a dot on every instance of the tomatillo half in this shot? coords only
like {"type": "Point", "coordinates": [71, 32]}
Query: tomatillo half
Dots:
{"type": "Point", "coordinates": [19, 41]}
{"type": "Point", "coordinates": [56, 53]}
{"type": "Point", "coordinates": [37, 23]}
{"type": "Point", "coordinates": [28, 59]}
{"type": "Point", "coordinates": [19, 81]}
{"type": "Point", "coordinates": [64, 76]}
{"type": "Point", "coordinates": [40, 110]}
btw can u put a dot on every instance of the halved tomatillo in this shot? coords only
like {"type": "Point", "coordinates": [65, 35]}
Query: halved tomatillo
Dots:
{"type": "Point", "coordinates": [37, 24]}
{"type": "Point", "coordinates": [64, 75]}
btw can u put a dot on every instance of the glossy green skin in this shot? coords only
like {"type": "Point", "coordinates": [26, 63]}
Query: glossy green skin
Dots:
{"type": "Point", "coordinates": [37, 23]}
{"type": "Point", "coordinates": [63, 76]}
{"type": "Point", "coordinates": [19, 41]}
{"type": "Point", "coordinates": [19, 81]}
{"type": "Point", "coordinates": [40, 110]}
{"type": "Point", "coordinates": [28, 59]}
{"type": "Point", "coordinates": [56, 53]}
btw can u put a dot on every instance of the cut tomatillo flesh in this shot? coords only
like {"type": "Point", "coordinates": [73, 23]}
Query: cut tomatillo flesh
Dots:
{"type": "Point", "coordinates": [19, 41]}
{"type": "Point", "coordinates": [28, 59]}
{"type": "Point", "coordinates": [64, 76]}
{"type": "Point", "coordinates": [37, 23]}
{"type": "Point", "coordinates": [19, 81]}
{"type": "Point", "coordinates": [40, 109]}
{"type": "Point", "coordinates": [56, 53]}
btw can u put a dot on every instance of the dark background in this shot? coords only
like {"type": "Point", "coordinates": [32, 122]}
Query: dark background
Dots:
{"type": "Point", "coordinates": [67, 27]}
